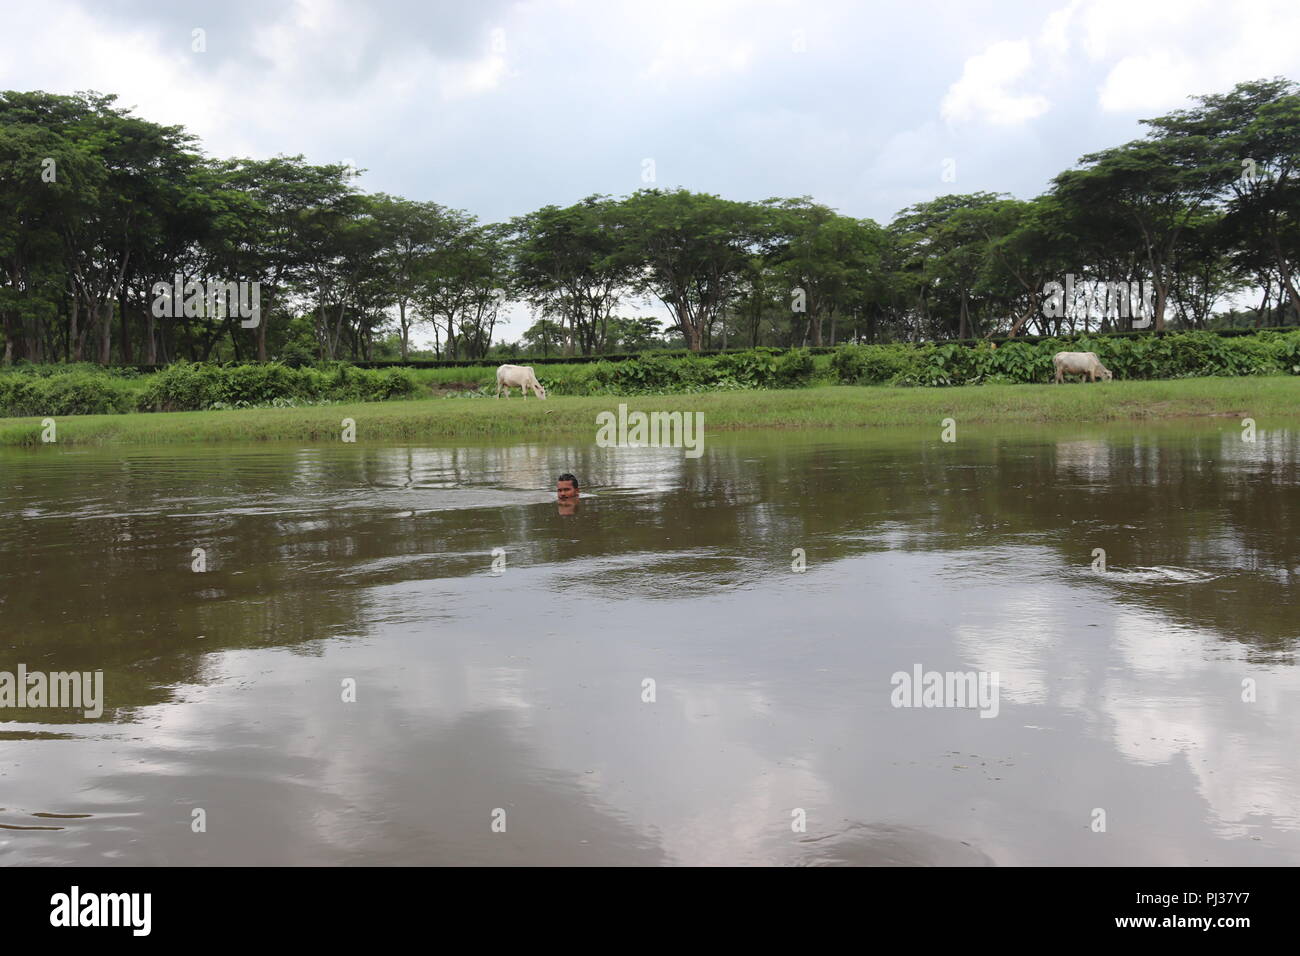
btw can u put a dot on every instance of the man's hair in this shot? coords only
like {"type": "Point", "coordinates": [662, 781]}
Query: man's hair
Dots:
{"type": "Point", "coordinates": [568, 477]}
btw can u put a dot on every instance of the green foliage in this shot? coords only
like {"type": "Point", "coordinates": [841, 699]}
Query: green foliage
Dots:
{"type": "Point", "coordinates": [1017, 362]}
{"type": "Point", "coordinates": [194, 386]}
{"type": "Point", "coordinates": [873, 364]}
{"type": "Point", "coordinates": [83, 389]}
{"type": "Point", "coordinates": [756, 368]}
{"type": "Point", "coordinates": [77, 392]}
{"type": "Point", "coordinates": [135, 202]}
{"type": "Point", "coordinates": [794, 369]}
{"type": "Point", "coordinates": [296, 355]}
{"type": "Point", "coordinates": [651, 373]}
{"type": "Point", "coordinates": [1179, 355]}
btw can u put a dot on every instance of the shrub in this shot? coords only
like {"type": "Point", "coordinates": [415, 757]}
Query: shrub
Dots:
{"type": "Point", "coordinates": [73, 393]}
{"type": "Point", "coordinates": [82, 388]}
{"type": "Point", "coordinates": [754, 368]}
{"type": "Point", "coordinates": [794, 369]}
{"type": "Point", "coordinates": [653, 373]}
{"type": "Point", "coordinates": [848, 364]}
{"type": "Point", "coordinates": [1018, 362]}
{"type": "Point", "coordinates": [189, 387]}
{"type": "Point", "coordinates": [184, 386]}
{"type": "Point", "coordinates": [295, 355]}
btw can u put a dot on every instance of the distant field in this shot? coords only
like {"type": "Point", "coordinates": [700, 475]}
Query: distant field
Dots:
{"type": "Point", "coordinates": [1265, 398]}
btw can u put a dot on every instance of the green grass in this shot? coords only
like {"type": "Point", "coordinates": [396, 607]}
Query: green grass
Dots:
{"type": "Point", "coordinates": [1263, 398]}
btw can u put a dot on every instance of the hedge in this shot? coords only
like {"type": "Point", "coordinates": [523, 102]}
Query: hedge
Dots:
{"type": "Point", "coordinates": [1176, 355]}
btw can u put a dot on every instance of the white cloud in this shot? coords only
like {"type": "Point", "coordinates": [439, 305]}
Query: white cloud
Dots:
{"type": "Point", "coordinates": [983, 91]}
{"type": "Point", "coordinates": [436, 102]}
{"type": "Point", "coordinates": [1055, 35]}
{"type": "Point", "coordinates": [1149, 82]}
{"type": "Point", "coordinates": [1162, 52]}
{"type": "Point", "coordinates": [458, 80]}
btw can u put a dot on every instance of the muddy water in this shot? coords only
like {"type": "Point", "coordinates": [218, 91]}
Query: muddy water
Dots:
{"type": "Point", "coordinates": [1145, 713]}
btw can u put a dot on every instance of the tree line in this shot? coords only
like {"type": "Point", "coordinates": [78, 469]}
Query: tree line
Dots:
{"type": "Point", "coordinates": [98, 207]}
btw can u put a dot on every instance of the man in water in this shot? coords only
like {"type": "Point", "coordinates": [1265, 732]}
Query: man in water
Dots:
{"type": "Point", "coordinates": [566, 493]}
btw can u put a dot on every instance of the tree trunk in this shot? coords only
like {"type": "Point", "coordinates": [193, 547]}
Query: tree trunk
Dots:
{"type": "Point", "coordinates": [406, 329]}
{"type": "Point", "coordinates": [260, 332]}
{"type": "Point", "coordinates": [150, 338]}
{"type": "Point", "coordinates": [74, 336]}
{"type": "Point", "coordinates": [105, 331]}
{"type": "Point", "coordinates": [1289, 285]}
{"type": "Point", "coordinates": [126, 333]}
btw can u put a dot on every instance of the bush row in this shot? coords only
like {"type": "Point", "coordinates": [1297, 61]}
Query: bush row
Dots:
{"type": "Point", "coordinates": [658, 374]}
{"type": "Point", "coordinates": [1181, 355]}
{"type": "Point", "coordinates": [185, 386]}
{"type": "Point", "coordinates": [194, 387]}
{"type": "Point", "coordinates": [89, 389]}
{"type": "Point", "coordinates": [77, 392]}
{"type": "Point", "coordinates": [755, 368]}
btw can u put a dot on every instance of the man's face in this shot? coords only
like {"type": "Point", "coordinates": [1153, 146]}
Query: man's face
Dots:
{"type": "Point", "coordinates": [565, 489]}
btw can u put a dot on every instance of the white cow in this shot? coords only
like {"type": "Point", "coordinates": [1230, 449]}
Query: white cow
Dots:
{"type": "Point", "coordinates": [1080, 363]}
{"type": "Point", "coordinates": [521, 377]}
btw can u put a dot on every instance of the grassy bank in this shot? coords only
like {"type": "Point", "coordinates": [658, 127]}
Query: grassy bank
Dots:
{"type": "Point", "coordinates": [1266, 399]}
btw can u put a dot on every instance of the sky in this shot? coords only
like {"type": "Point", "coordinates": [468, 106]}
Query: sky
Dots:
{"type": "Point", "coordinates": [501, 107]}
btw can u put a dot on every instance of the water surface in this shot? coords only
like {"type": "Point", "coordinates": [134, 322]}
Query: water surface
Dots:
{"type": "Point", "coordinates": [522, 690]}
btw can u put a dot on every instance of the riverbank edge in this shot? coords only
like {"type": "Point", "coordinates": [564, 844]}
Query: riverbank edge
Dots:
{"type": "Point", "coordinates": [1273, 399]}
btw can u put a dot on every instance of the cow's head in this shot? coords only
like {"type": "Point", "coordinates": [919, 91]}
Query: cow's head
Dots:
{"type": "Point", "coordinates": [1106, 374]}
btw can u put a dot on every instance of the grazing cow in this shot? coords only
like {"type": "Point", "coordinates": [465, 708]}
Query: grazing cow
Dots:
{"type": "Point", "coordinates": [521, 377]}
{"type": "Point", "coordinates": [1080, 363]}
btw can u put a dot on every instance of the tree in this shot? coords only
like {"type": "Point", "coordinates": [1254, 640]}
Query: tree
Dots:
{"type": "Point", "coordinates": [410, 234]}
{"type": "Point", "coordinates": [1157, 187]}
{"type": "Point", "coordinates": [1255, 130]}
{"type": "Point", "coordinates": [824, 258]}
{"type": "Point", "coordinates": [572, 265]}
{"type": "Point", "coordinates": [691, 250]}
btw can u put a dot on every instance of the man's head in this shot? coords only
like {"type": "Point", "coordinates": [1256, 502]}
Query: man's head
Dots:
{"type": "Point", "coordinates": [566, 486]}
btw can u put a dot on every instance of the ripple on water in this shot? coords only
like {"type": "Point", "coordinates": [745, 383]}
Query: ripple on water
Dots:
{"type": "Point", "coordinates": [39, 815]}
{"type": "Point", "coordinates": [863, 844]}
{"type": "Point", "coordinates": [1157, 575]}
